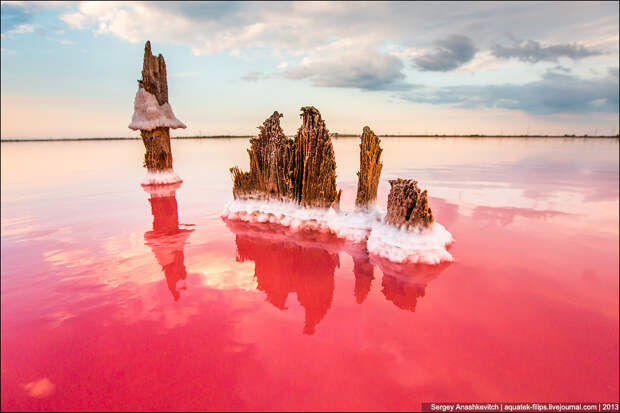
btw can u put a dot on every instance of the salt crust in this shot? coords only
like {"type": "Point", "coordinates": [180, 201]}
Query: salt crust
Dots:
{"type": "Point", "coordinates": [161, 178]}
{"type": "Point", "coordinates": [424, 245]}
{"type": "Point", "coordinates": [148, 114]}
{"type": "Point", "coordinates": [162, 190]}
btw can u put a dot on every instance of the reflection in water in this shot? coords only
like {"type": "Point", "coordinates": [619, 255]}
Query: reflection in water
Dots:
{"type": "Point", "coordinates": [305, 263]}
{"type": "Point", "coordinates": [503, 216]}
{"type": "Point", "coordinates": [403, 284]}
{"type": "Point", "coordinates": [363, 270]}
{"type": "Point", "coordinates": [166, 239]}
{"type": "Point", "coordinates": [283, 266]}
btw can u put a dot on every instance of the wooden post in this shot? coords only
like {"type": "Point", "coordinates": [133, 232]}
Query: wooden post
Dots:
{"type": "Point", "coordinates": [153, 116]}
{"type": "Point", "coordinates": [370, 169]}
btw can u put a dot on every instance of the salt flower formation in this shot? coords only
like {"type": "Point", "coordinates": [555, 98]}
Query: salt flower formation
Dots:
{"type": "Point", "coordinates": [154, 118]}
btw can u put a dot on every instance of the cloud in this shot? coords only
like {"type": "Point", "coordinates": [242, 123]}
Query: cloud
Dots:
{"type": "Point", "coordinates": [341, 64]}
{"type": "Point", "coordinates": [553, 94]}
{"type": "Point", "coordinates": [19, 17]}
{"type": "Point", "coordinates": [561, 68]}
{"type": "Point", "coordinates": [213, 27]}
{"type": "Point", "coordinates": [531, 51]}
{"type": "Point", "coordinates": [254, 76]}
{"type": "Point", "coordinates": [40, 388]}
{"type": "Point", "coordinates": [14, 19]}
{"type": "Point", "coordinates": [449, 53]}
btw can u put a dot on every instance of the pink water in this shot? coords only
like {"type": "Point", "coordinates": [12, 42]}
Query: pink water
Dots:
{"type": "Point", "coordinates": [112, 300]}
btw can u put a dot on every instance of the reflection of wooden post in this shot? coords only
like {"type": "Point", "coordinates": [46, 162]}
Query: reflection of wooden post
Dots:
{"type": "Point", "coordinates": [363, 271]}
{"type": "Point", "coordinates": [166, 239]}
{"type": "Point", "coordinates": [404, 284]}
{"type": "Point", "coordinates": [153, 116]}
{"type": "Point", "coordinates": [282, 266]}
{"type": "Point", "coordinates": [370, 169]}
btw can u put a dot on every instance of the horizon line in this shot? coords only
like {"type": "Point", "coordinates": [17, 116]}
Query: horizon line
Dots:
{"type": "Point", "coordinates": [335, 135]}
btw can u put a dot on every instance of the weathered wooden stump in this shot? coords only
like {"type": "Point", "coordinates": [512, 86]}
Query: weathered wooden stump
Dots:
{"type": "Point", "coordinates": [271, 165]}
{"type": "Point", "coordinates": [153, 115]}
{"type": "Point", "coordinates": [370, 169]}
{"type": "Point", "coordinates": [302, 170]}
{"type": "Point", "coordinates": [315, 173]}
{"type": "Point", "coordinates": [407, 205]}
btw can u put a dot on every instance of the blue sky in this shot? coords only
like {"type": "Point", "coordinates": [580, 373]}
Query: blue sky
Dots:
{"type": "Point", "coordinates": [69, 69]}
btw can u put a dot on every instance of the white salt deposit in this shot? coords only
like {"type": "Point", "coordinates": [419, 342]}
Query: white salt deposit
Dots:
{"type": "Point", "coordinates": [162, 190]}
{"type": "Point", "coordinates": [417, 246]}
{"type": "Point", "coordinates": [424, 245]}
{"type": "Point", "coordinates": [161, 178]}
{"type": "Point", "coordinates": [148, 114]}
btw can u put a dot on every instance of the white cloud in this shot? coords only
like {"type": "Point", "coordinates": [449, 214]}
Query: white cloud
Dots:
{"type": "Point", "coordinates": [346, 64]}
{"type": "Point", "coordinates": [298, 26]}
{"type": "Point", "coordinates": [20, 29]}
{"type": "Point", "coordinates": [23, 28]}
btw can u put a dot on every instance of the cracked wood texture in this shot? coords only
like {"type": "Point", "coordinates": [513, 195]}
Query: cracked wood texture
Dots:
{"type": "Point", "coordinates": [302, 170]}
{"type": "Point", "coordinates": [315, 172]}
{"type": "Point", "coordinates": [158, 156]}
{"type": "Point", "coordinates": [154, 78]}
{"type": "Point", "coordinates": [407, 205]}
{"type": "Point", "coordinates": [271, 165]}
{"type": "Point", "coordinates": [370, 169]}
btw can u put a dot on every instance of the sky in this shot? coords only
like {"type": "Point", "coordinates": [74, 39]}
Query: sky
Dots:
{"type": "Point", "coordinates": [70, 69]}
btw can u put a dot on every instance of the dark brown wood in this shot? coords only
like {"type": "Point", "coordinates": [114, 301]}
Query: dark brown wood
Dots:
{"type": "Point", "coordinates": [370, 169]}
{"type": "Point", "coordinates": [408, 205]}
{"type": "Point", "coordinates": [315, 172]}
{"type": "Point", "coordinates": [302, 170]}
{"type": "Point", "coordinates": [158, 155]}
{"type": "Point", "coordinates": [271, 165]}
{"type": "Point", "coordinates": [154, 78]}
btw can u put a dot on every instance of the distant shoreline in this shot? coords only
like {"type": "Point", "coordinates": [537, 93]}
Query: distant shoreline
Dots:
{"type": "Point", "coordinates": [334, 135]}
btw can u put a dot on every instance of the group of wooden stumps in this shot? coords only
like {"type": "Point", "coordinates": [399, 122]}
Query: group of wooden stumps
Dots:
{"type": "Point", "coordinates": [300, 170]}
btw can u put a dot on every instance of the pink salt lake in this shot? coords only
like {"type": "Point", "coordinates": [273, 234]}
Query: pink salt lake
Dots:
{"type": "Point", "coordinates": [115, 299]}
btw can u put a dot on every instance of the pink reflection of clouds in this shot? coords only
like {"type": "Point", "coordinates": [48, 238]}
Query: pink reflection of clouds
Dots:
{"type": "Point", "coordinates": [40, 388]}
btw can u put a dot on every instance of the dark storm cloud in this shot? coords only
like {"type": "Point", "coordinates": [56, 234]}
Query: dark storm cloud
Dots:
{"type": "Point", "coordinates": [449, 54]}
{"type": "Point", "coordinates": [12, 16]}
{"type": "Point", "coordinates": [554, 93]}
{"type": "Point", "coordinates": [531, 51]}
